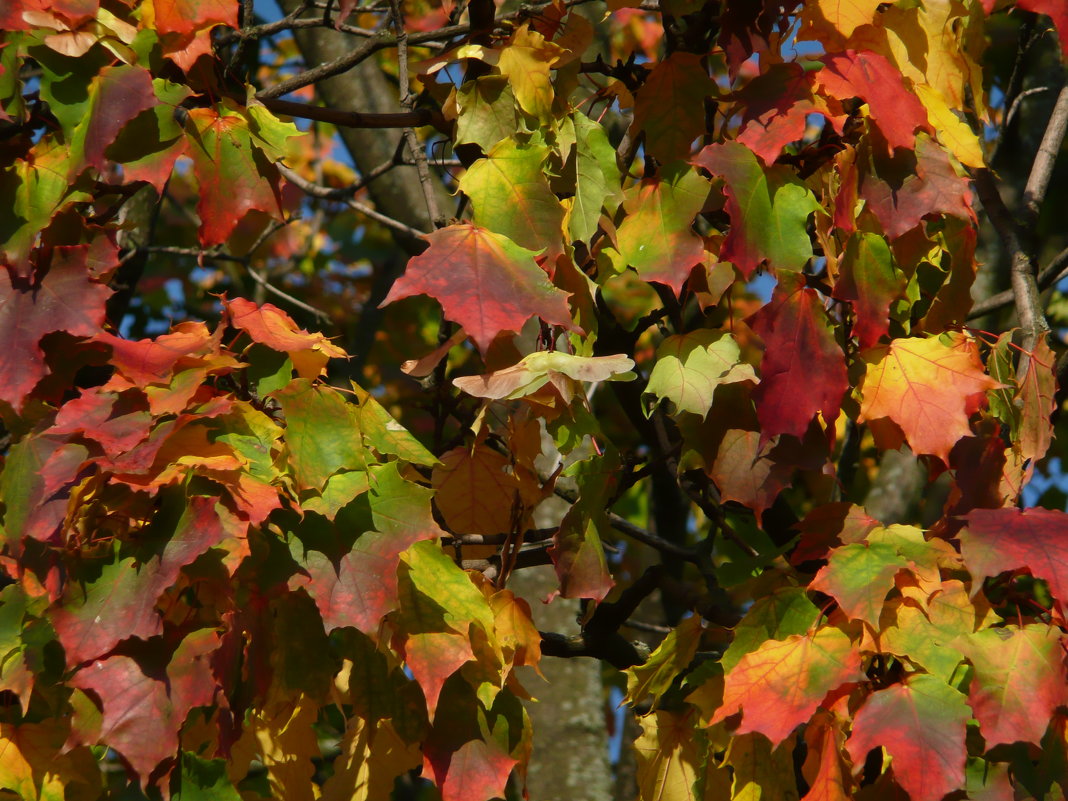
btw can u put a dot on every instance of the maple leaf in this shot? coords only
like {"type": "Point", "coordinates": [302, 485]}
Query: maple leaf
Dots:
{"type": "Point", "coordinates": [824, 768]}
{"type": "Point", "coordinates": [829, 525]}
{"type": "Point", "coordinates": [399, 506]}
{"type": "Point", "coordinates": [487, 111]}
{"type": "Point", "coordinates": [35, 487]}
{"type": "Point", "coordinates": [777, 105]}
{"type": "Point", "coordinates": [148, 145]}
{"type": "Point", "coordinates": [116, 95]}
{"type": "Point", "coordinates": [901, 194]}
{"type": "Point", "coordinates": [578, 557]}
{"type": "Point", "coordinates": [117, 422]}
{"type": "Point", "coordinates": [859, 576]}
{"type": "Point", "coordinates": [669, 106]}
{"type": "Point", "coordinates": [597, 178]}
{"type": "Point", "coordinates": [476, 491]}
{"type": "Point", "coordinates": [233, 173]}
{"type": "Point", "coordinates": [869, 279]}
{"type": "Point", "coordinates": [36, 188]}
{"type": "Point", "coordinates": [1038, 389]}
{"type": "Point", "coordinates": [562, 370]}
{"type": "Point", "coordinates": [1020, 680]}
{"type": "Point", "coordinates": [526, 61]}
{"type": "Point", "coordinates": [745, 471]}
{"type": "Point", "coordinates": [927, 387]}
{"type": "Point", "coordinates": [832, 22]}
{"type": "Point", "coordinates": [921, 723]}
{"type": "Point", "coordinates": [154, 361]}
{"type": "Point", "coordinates": [270, 326]}
{"type": "Point", "coordinates": [92, 619]}
{"type": "Point", "coordinates": [138, 719]}
{"type": "Point", "coordinates": [671, 657]}
{"type": "Point", "coordinates": [690, 366]}
{"type": "Point", "coordinates": [322, 433]}
{"type": "Point", "coordinates": [926, 635]}
{"type": "Point", "coordinates": [768, 206]}
{"type": "Point", "coordinates": [483, 281]}
{"type": "Point", "coordinates": [186, 16]}
{"type": "Point", "coordinates": [191, 681]}
{"type": "Point", "coordinates": [997, 540]}
{"type": "Point", "coordinates": [372, 756]}
{"type": "Point", "coordinates": [667, 756]}
{"type": "Point", "coordinates": [656, 237]}
{"type": "Point", "coordinates": [432, 657]}
{"type": "Point", "coordinates": [775, 616]}
{"type": "Point", "coordinates": [361, 588]}
{"type": "Point", "coordinates": [33, 767]}
{"type": "Point", "coordinates": [779, 685]}
{"type": "Point", "coordinates": [477, 770]}
{"type": "Point", "coordinates": [803, 371]}
{"type": "Point", "coordinates": [510, 195]}
{"type": "Point", "coordinates": [65, 299]}
{"type": "Point", "coordinates": [869, 76]}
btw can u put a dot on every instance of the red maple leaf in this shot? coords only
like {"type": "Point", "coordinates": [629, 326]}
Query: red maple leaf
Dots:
{"type": "Point", "coordinates": [869, 76]}
{"type": "Point", "coordinates": [64, 300]}
{"type": "Point", "coordinates": [483, 281]}
{"type": "Point", "coordinates": [997, 540]}
{"type": "Point", "coordinates": [921, 723]}
{"type": "Point", "coordinates": [186, 16]}
{"type": "Point", "coordinates": [780, 684]}
{"type": "Point", "coordinates": [804, 370]}
{"type": "Point", "coordinates": [138, 719]}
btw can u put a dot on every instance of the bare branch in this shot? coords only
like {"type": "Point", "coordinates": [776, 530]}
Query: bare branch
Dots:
{"type": "Point", "coordinates": [1042, 168]}
{"type": "Point", "coordinates": [315, 190]}
{"type": "Point", "coordinates": [382, 39]}
{"type": "Point", "coordinates": [1053, 273]}
{"type": "Point", "coordinates": [407, 101]}
{"type": "Point", "coordinates": [358, 119]}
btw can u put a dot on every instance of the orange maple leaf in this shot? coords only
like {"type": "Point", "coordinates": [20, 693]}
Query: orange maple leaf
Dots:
{"type": "Point", "coordinates": [927, 387]}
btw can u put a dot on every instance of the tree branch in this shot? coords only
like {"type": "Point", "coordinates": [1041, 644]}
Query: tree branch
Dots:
{"type": "Point", "coordinates": [1056, 270]}
{"type": "Point", "coordinates": [382, 39]}
{"type": "Point", "coordinates": [407, 101]}
{"type": "Point", "coordinates": [358, 119]}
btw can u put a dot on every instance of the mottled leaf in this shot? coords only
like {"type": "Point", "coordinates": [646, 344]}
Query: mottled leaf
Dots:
{"type": "Point", "coordinates": [921, 723]}
{"type": "Point", "coordinates": [803, 371]}
{"type": "Point", "coordinates": [779, 685]}
{"type": "Point", "coordinates": [768, 207]}
{"type": "Point", "coordinates": [483, 282]}
{"type": "Point", "coordinates": [927, 387]}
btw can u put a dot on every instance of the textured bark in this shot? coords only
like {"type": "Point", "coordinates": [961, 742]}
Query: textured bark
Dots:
{"type": "Point", "coordinates": [570, 733]}
{"type": "Point", "coordinates": [896, 491]}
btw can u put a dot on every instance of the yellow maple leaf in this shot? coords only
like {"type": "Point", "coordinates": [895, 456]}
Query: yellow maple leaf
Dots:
{"type": "Point", "coordinates": [927, 387]}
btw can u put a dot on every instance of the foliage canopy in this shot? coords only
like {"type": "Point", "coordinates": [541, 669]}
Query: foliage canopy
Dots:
{"type": "Point", "coordinates": [705, 271]}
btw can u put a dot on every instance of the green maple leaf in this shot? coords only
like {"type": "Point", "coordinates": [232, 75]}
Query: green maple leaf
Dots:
{"type": "Point", "coordinates": [690, 366]}
{"type": "Point", "coordinates": [510, 195]}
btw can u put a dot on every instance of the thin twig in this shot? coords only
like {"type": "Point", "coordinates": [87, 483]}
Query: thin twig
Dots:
{"type": "Point", "coordinates": [315, 190]}
{"type": "Point", "coordinates": [407, 102]}
{"type": "Point", "coordinates": [213, 255]}
{"type": "Point", "coordinates": [278, 293]}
